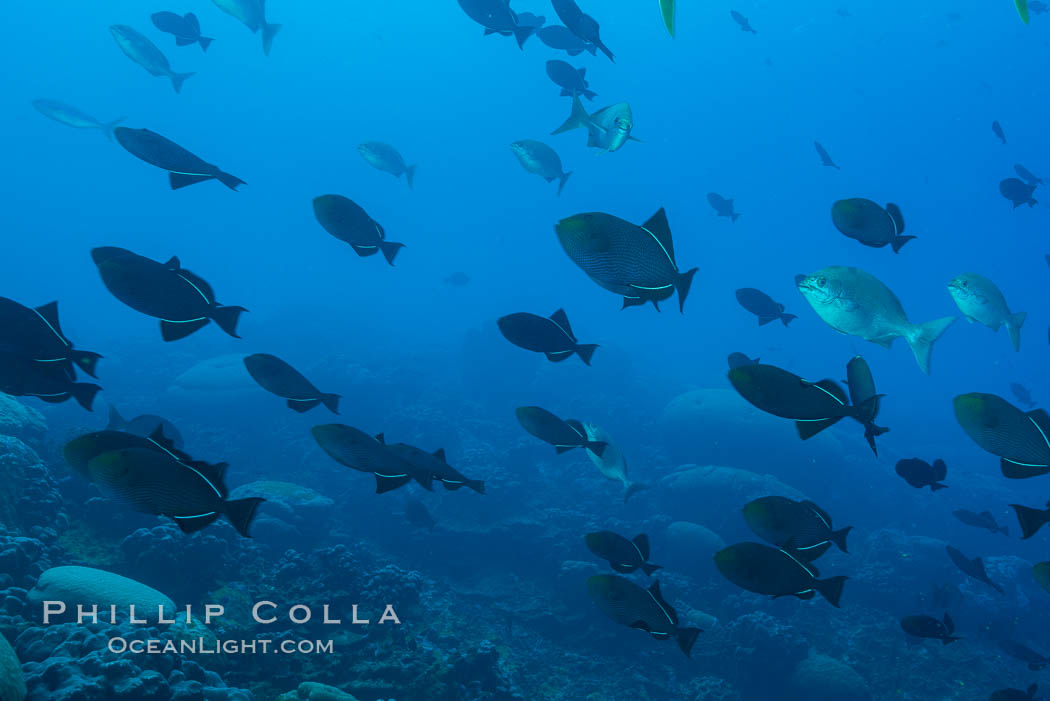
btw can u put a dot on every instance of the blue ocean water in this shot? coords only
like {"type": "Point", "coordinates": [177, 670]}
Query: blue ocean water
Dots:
{"type": "Point", "coordinates": [493, 599]}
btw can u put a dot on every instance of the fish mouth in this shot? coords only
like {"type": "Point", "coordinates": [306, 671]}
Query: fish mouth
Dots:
{"type": "Point", "coordinates": [801, 282]}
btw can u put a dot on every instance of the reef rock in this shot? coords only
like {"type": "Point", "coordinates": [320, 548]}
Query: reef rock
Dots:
{"type": "Point", "coordinates": [12, 683]}
{"type": "Point", "coordinates": [717, 492]}
{"type": "Point", "coordinates": [21, 422]}
{"type": "Point", "coordinates": [88, 586]}
{"type": "Point", "coordinates": [690, 546]}
{"type": "Point", "coordinates": [314, 691]}
{"type": "Point", "coordinates": [822, 678]}
{"type": "Point", "coordinates": [30, 496]}
{"type": "Point", "coordinates": [301, 508]}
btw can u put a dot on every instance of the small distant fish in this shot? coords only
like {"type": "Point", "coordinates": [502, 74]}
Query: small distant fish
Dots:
{"type": "Point", "coordinates": [155, 482]}
{"type": "Point", "coordinates": [1015, 694]}
{"type": "Point", "coordinates": [763, 306]}
{"type": "Point", "coordinates": [359, 451]}
{"type": "Point", "coordinates": [983, 520]}
{"type": "Point", "coordinates": [636, 262]}
{"type": "Point", "coordinates": [24, 377]}
{"type": "Point", "coordinates": [800, 527]}
{"type": "Point", "coordinates": [861, 385]}
{"type": "Point", "coordinates": [417, 514]}
{"type": "Point", "coordinates": [980, 300]}
{"type": "Point", "coordinates": [608, 129]}
{"type": "Point", "coordinates": [1027, 175]}
{"type": "Point", "coordinates": [745, 25]}
{"type": "Point", "coordinates": [738, 360]}
{"type": "Point", "coordinates": [185, 28]}
{"type": "Point", "coordinates": [919, 473]}
{"type": "Point", "coordinates": [870, 224]}
{"type": "Point", "coordinates": [144, 426]}
{"type": "Point", "coordinates": [856, 303]}
{"type": "Point", "coordinates": [551, 335]}
{"type": "Point", "coordinates": [581, 24]}
{"type": "Point", "coordinates": [184, 168]}
{"type": "Point", "coordinates": [929, 627]}
{"type": "Point", "coordinates": [997, 129]}
{"type": "Point", "coordinates": [386, 158]}
{"type": "Point", "coordinates": [1018, 192]}
{"type": "Point", "coordinates": [71, 116]}
{"type": "Point", "coordinates": [278, 377]}
{"type": "Point", "coordinates": [628, 604]}
{"type": "Point", "coordinates": [814, 406]}
{"type": "Point", "coordinates": [252, 14]}
{"type": "Point", "coordinates": [562, 39]}
{"type": "Point", "coordinates": [145, 53]}
{"type": "Point", "coordinates": [1022, 394]}
{"type": "Point", "coordinates": [624, 556]}
{"type": "Point", "coordinates": [564, 435]}
{"type": "Point", "coordinates": [36, 334]}
{"type": "Point", "coordinates": [973, 569]}
{"type": "Point", "coordinates": [611, 463]}
{"type": "Point", "coordinates": [1041, 573]}
{"type": "Point", "coordinates": [497, 18]}
{"type": "Point", "coordinates": [722, 206]}
{"type": "Point", "coordinates": [1020, 651]}
{"type": "Point", "coordinates": [436, 466]}
{"type": "Point", "coordinates": [667, 8]}
{"type": "Point", "coordinates": [459, 279]}
{"type": "Point", "coordinates": [347, 221]}
{"type": "Point", "coordinates": [1031, 520]}
{"type": "Point", "coordinates": [1018, 438]}
{"type": "Point", "coordinates": [773, 572]}
{"type": "Point", "coordinates": [540, 159]}
{"type": "Point", "coordinates": [182, 301]}
{"type": "Point", "coordinates": [572, 81]}
{"type": "Point", "coordinates": [825, 158]}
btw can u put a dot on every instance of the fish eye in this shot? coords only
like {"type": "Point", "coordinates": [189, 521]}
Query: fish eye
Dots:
{"type": "Point", "coordinates": [822, 281]}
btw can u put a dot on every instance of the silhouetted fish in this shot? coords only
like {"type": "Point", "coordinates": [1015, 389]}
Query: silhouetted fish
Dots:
{"type": "Point", "coordinates": [997, 129]}
{"type": "Point", "coordinates": [551, 336]}
{"type": "Point", "coordinates": [252, 14]}
{"type": "Point", "coordinates": [861, 385]}
{"type": "Point", "coordinates": [84, 448]}
{"type": "Point", "coordinates": [558, 37]}
{"type": "Point", "coordinates": [1015, 694]}
{"type": "Point", "coordinates": [144, 426]}
{"type": "Point", "coordinates": [185, 28]}
{"type": "Point", "coordinates": [628, 604]}
{"type": "Point", "coordinates": [182, 301]}
{"type": "Point", "coordinates": [582, 25]}
{"type": "Point", "coordinates": [436, 465]}
{"type": "Point", "coordinates": [347, 221]}
{"type": "Point", "coordinates": [23, 377]}
{"type": "Point", "coordinates": [539, 158]}
{"type": "Point", "coordinates": [497, 18]}
{"type": "Point", "coordinates": [980, 300]}
{"type": "Point", "coordinates": [1018, 192]}
{"type": "Point", "coordinates": [764, 570]}
{"type": "Point", "coordinates": [624, 556]}
{"type": "Point", "coordinates": [1027, 175]}
{"type": "Point", "coordinates": [800, 527]}
{"type": "Point", "coordinates": [919, 473]}
{"type": "Point", "coordinates": [971, 568]}
{"type": "Point", "coordinates": [184, 168]}
{"type": "Point", "coordinates": [1022, 394]}
{"type": "Point", "coordinates": [929, 627]}
{"type": "Point", "coordinates": [722, 206]}
{"type": "Point", "coordinates": [825, 158]}
{"type": "Point", "coordinates": [745, 25]}
{"type": "Point", "coordinates": [864, 221]}
{"type": "Point", "coordinates": [983, 520]}
{"type": "Point", "coordinates": [572, 81]}
{"type": "Point", "coordinates": [145, 53]}
{"type": "Point", "coordinates": [73, 117]}
{"type": "Point", "coordinates": [763, 306]}
{"type": "Point", "coordinates": [564, 435]}
{"type": "Point", "coordinates": [1020, 651]}
{"type": "Point", "coordinates": [360, 451]}
{"type": "Point", "coordinates": [37, 335]}
{"type": "Point", "coordinates": [278, 377]}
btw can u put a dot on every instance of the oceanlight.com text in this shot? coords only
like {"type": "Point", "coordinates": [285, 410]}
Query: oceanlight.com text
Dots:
{"type": "Point", "coordinates": [202, 646]}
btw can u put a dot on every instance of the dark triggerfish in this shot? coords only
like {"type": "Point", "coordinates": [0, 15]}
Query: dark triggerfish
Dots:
{"type": "Point", "coordinates": [183, 167]}
{"type": "Point", "coordinates": [564, 435]}
{"type": "Point", "coordinates": [436, 465]}
{"type": "Point", "coordinates": [801, 527]}
{"type": "Point", "coordinates": [1020, 439]}
{"type": "Point", "coordinates": [347, 221]}
{"type": "Point", "coordinates": [861, 385]}
{"type": "Point", "coordinates": [623, 555]}
{"type": "Point", "coordinates": [551, 336]}
{"type": "Point", "coordinates": [360, 451]}
{"type": "Point", "coordinates": [930, 627]}
{"type": "Point", "coordinates": [276, 376]}
{"type": "Point", "coordinates": [626, 603]}
{"type": "Point", "coordinates": [774, 572]}
{"type": "Point", "coordinates": [36, 334]}
{"type": "Point", "coordinates": [864, 221]}
{"type": "Point", "coordinates": [636, 262]}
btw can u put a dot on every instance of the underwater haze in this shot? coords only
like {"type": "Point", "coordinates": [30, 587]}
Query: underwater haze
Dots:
{"type": "Point", "coordinates": [557, 339]}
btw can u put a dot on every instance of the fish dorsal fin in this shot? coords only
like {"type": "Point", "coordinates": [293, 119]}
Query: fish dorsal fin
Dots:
{"type": "Point", "coordinates": [949, 624]}
{"type": "Point", "coordinates": [896, 217]}
{"type": "Point", "coordinates": [198, 284]}
{"type": "Point", "coordinates": [831, 388]}
{"type": "Point", "coordinates": [819, 512]}
{"type": "Point", "coordinates": [173, 264]}
{"type": "Point", "coordinates": [562, 320]}
{"type": "Point", "coordinates": [381, 438]}
{"type": "Point", "coordinates": [641, 541]}
{"type": "Point", "coordinates": [661, 231]}
{"type": "Point", "coordinates": [165, 443]}
{"type": "Point", "coordinates": [654, 591]}
{"type": "Point", "coordinates": [440, 455]}
{"type": "Point", "coordinates": [49, 313]}
{"type": "Point", "coordinates": [115, 420]}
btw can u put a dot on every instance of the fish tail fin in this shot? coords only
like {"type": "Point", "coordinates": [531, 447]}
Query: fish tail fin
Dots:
{"type": "Point", "coordinates": [786, 318]}
{"type": "Point", "coordinates": [590, 94]}
{"type": "Point", "coordinates": [682, 283]}
{"type": "Point", "coordinates": [830, 588]}
{"type": "Point", "coordinates": [649, 568]}
{"type": "Point", "coordinates": [605, 50]}
{"type": "Point", "coordinates": [269, 31]}
{"type": "Point", "coordinates": [937, 485]}
{"type": "Point", "coordinates": [808, 429]}
{"type": "Point", "coordinates": [477, 485]}
{"type": "Point", "coordinates": [84, 393]}
{"type": "Point", "coordinates": [686, 637]}
{"type": "Point", "coordinates": [578, 118]}
{"type": "Point", "coordinates": [1031, 520]}
{"type": "Point", "coordinates": [85, 360]}
{"type": "Point", "coordinates": [226, 318]}
{"type": "Point", "coordinates": [562, 179]}
{"type": "Point", "coordinates": [1013, 326]}
{"type": "Point", "coordinates": [839, 538]}
{"type": "Point", "coordinates": [230, 181]}
{"type": "Point", "coordinates": [108, 127]}
{"type": "Point", "coordinates": [632, 489]}
{"type": "Point", "coordinates": [522, 34]}
{"type": "Point", "coordinates": [899, 241]}
{"type": "Point", "coordinates": [949, 639]}
{"type": "Point", "coordinates": [586, 351]}
{"type": "Point", "coordinates": [241, 513]}
{"type": "Point", "coordinates": [410, 175]}
{"type": "Point", "coordinates": [596, 447]}
{"type": "Point", "coordinates": [331, 402]}
{"type": "Point", "coordinates": [172, 331]}
{"type": "Point", "coordinates": [390, 250]}
{"type": "Point", "coordinates": [921, 338]}
{"type": "Point", "coordinates": [301, 406]}
{"type": "Point", "coordinates": [205, 42]}
{"type": "Point", "coordinates": [177, 79]}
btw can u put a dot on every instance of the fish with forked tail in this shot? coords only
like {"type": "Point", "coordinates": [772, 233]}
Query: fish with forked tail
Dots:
{"type": "Point", "coordinates": [864, 221]}
{"type": "Point", "coordinates": [980, 300]}
{"type": "Point", "coordinates": [551, 335]}
{"type": "Point", "coordinates": [762, 569]}
{"type": "Point", "coordinates": [73, 117]}
{"type": "Point", "coordinates": [763, 306]}
{"type": "Point", "coordinates": [800, 527]}
{"type": "Point", "coordinates": [364, 453]}
{"type": "Point", "coordinates": [608, 129]}
{"type": "Point", "coordinates": [862, 393]}
{"type": "Point", "coordinates": [278, 377]}
{"type": "Point", "coordinates": [347, 221]}
{"type": "Point", "coordinates": [540, 159]}
{"type": "Point", "coordinates": [252, 14]}
{"type": "Point", "coordinates": [1020, 651]}
{"type": "Point", "coordinates": [184, 168]}
{"type": "Point", "coordinates": [623, 555]}
{"type": "Point", "coordinates": [36, 334]}
{"type": "Point", "coordinates": [564, 435]}
{"type": "Point", "coordinates": [983, 520]}
{"type": "Point", "coordinates": [973, 569]}
{"type": "Point", "coordinates": [436, 465]}
{"type": "Point", "coordinates": [626, 603]}
{"type": "Point", "coordinates": [581, 24]}
{"type": "Point", "coordinates": [929, 627]}
{"type": "Point", "coordinates": [185, 28]}
{"type": "Point", "coordinates": [919, 473]}
{"type": "Point", "coordinates": [611, 463]}
{"type": "Point", "coordinates": [145, 53]}
{"type": "Point", "coordinates": [388, 159]}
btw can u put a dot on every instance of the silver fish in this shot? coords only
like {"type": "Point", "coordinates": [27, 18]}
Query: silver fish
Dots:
{"type": "Point", "coordinates": [980, 300]}
{"type": "Point", "coordinates": [386, 158]}
{"type": "Point", "coordinates": [145, 53]}
{"type": "Point", "coordinates": [608, 129]}
{"type": "Point", "coordinates": [540, 159]}
{"type": "Point", "coordinates": [71, 116]}
{"type": "Point", "coordinates": [252, 14]}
